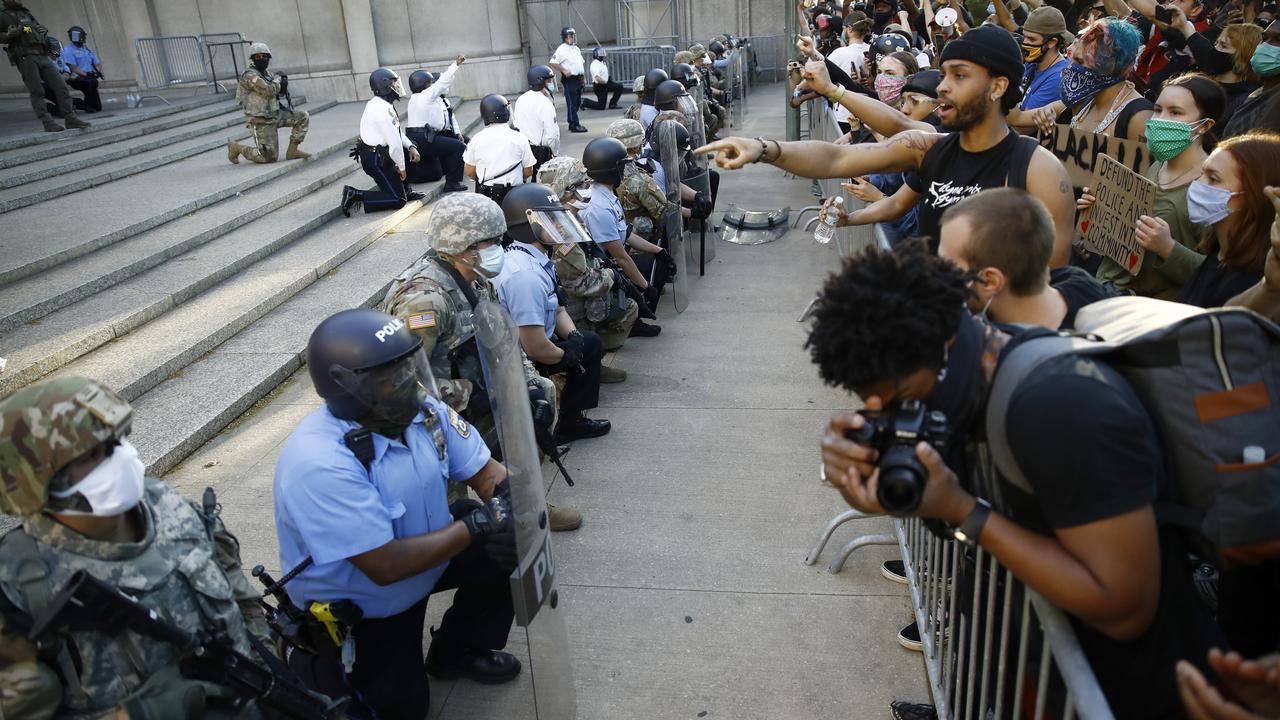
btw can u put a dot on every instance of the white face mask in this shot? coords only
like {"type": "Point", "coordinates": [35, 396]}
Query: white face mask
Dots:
{"type": "Point", "coordinates": [583, 193]}
{"type": "Point", "coordinates": [491, 259]}
{"type": "Point", "coordinates": [113, 488]}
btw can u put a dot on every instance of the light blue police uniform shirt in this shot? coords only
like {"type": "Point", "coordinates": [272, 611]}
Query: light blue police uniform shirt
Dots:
{"type": "Point", "coordinates": [603, 216]}
{"type": "Point", "coordinates": [647, 115]}
{"type": "Point", "coordinates": [329, 508]}
{"type": "Point", "coordinates": [527, 287]}
{"type": "Point", "coordinates": [83, 58]}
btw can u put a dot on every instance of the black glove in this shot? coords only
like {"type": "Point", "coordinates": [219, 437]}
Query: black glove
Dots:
{"type": "Point", "coordinates": [491, 518]}
{"type": "Point", "coordinates": [651, 295]}
{"type": "Point", "coordinates": [543, 413]}
{"type": "Point", "coordinates": [573, 346]}
{"type": "Point", "coordinates": [284, 83]}
{"type": "Point", "coordinates": [501, 549]}
{"type": "Point", "coordinates": [702, 206]}
{"type": "Point", "coordinates": [670, 262]}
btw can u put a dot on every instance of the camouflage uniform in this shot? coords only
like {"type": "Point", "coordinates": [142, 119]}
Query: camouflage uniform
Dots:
{"type": "Point", "coordinates": [633, 112]}
{"type": "Point", "coordinates": [644, 204]}
{"type": "Point", "coordinates": [186, 568]}
{"type": "Point", "coordinates": [258, 93]}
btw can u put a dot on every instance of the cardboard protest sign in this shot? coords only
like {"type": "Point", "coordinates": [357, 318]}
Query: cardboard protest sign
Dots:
{"type": "Point", "coordinates": [1122, 197]}
{"type": "Point", "coordinates": [1080, 150]}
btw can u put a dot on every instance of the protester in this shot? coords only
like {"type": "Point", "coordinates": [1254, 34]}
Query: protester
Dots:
{"type": "Point", "coordinates": [1044, 39]}
{"type": "Point", "coordinates": [1261, 110]}
{"type": "Point", "coordinates": [1228, 61]}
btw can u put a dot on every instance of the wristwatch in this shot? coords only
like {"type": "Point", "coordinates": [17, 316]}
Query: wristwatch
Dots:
{"type": "Point", "coordinates": [971, 528]}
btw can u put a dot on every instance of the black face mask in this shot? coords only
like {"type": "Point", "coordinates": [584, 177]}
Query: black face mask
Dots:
{"type": "Point", "coordinates": [882, 18]}
{"type": "Point", "coordinates": [1218, 62]}
{"type": "Point", "coordinates": [395, 412]}
{"type": "Point", "coordinates": [261, 64]}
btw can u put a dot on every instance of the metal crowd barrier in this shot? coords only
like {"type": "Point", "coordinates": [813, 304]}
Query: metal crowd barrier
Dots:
{"type": "Point", "coordinates": [630, 62]}
{"type": "Point", "coordinates": [228, 61]}
{"type": "Point", "coordinates": [817, 123]}
{"type": "Point", "coordinates": [170, 61]}
{"type": "Point", "coordinates": [766, 58]}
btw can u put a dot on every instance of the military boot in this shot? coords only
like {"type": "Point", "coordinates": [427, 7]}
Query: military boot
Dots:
{"type": "Point", "coordinates": [74, 122]}
{"type": "Point", "coordinates": [293, 153]}
{"type": "Point", "coordinates": [234, 151]}
{"type": "Point", "coordinates": [50, 125]}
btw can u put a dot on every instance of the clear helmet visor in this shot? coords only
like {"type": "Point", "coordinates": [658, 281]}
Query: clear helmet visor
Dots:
{"type": "Point", "coordinates": [398, 88]}
{"type": "Point", "coordinates": [395, 391]}
{"type": "Point", "coordinates": [686, 105]}
{"type": "Point", "coordinates": [557, 226]}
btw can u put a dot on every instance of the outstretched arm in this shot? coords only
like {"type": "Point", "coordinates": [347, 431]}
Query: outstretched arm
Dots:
{"type": "Point", "coordinates": [812, 159]}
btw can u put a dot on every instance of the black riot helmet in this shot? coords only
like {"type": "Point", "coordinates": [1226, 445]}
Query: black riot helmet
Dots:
{"type": "Point", "coordinates": [365, 362]}
{"type": "Point", "coordinates": [599, 54]}
{"type": "Point", "coordinates": [566, 32]}
{"type": "Point", "coordinates": [495, 109]}
{"type": "Point", "coordinates": [77, 35]}
{"type": "Point", "coordinates": [539, 76]}
{"type": "Point", "coordinates": [667, 95]}
{"type": "Point", "coordinates": [385, 83]}
{"type": "Point", "coordinates": [684, 73]}
{"type": "Point", "coordinates": [604, 159]}
{"type": "Point", "coordinates": [519, 202]}
{"type": "Point", "coordinates": [716, 47]}
{"type": "Point", "coordinates": [652, 80]}
{"type": "Point", "coordinates": [420, 80]}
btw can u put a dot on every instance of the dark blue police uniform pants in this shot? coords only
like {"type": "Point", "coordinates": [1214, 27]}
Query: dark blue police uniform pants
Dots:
{"type": "Point", "coordinates": [88, 86]}
{"type": "Point", "coordinates": [449, 150]}
{"type": "Point", "coordinates": [573, 98]}
{"type": "Point", "coordinates": [389, 675]}
{"type": "Point", "coordinates": [602, 93]}
{"type": "Point", "coordinates": [390, 194]}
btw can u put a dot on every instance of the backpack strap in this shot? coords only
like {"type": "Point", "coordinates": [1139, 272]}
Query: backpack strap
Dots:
{"type": "Point", "coordinates": [1023, 150]}
{"type": "Point", "coordinates": [32, 579]}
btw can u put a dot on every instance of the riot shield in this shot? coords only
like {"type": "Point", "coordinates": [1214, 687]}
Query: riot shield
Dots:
{"type": "Point", "coordinates": [697, 176]}
{"type": "Point", "coordinates": [669, 154]}
{"type": "Point", "coordinates": [534, 587]}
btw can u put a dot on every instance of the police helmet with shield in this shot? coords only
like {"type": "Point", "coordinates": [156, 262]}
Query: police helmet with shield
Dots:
{"type": "Point", "coordinates": [605, 159]}
{"type": "Point", "coordinates": [462, 221]}
{"type": "Point", "coordinates": [671, 95]}
{"type": "Point", "coordinates": [420, 80]}
{"type": "Point", "coordinates": [77, 35]}
{"type": "Point", "coordinates": [685, 74]}
{"type": "Point", "coordinates": [652, 80]}
{"type": "Point", "coordinates": [385, 83]}
{"type": "Point", "coordinates": [599, 54]}
{"type": "Point", "coordinates": [494, 109]}
{"type": "Point", "coordinates": [534, 215]}
{"type": "Point", "coordinates": [567, 31]}
{"type": "Point", "coordinates": [717, 48]}
{"type": "Point", "coordinates": [539, 76]}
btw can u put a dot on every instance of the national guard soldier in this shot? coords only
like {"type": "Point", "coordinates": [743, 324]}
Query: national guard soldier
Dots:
{"type": "Point", "coordinates": [498, 157]}
{"type": "Point", "coordinates": [633, 112]}
{"type": "Point", "coordinates": [534, 115]}
{"type": "Point", "coordinates": [259, 94]}
{"type": "Point", "coordinates": [362, 514]}
{"type": "Point", "coordinates": [26, 42]}
{"type": "Point", "coordinates": [644, 202]}
{"type": "Point", "coordinates": [383, 150]}
{"type": "Point", "coordinates": [435, 299]}
{"type": "Point", "coordinates": [652, 80]}
{"type": "Point", "coordinates": [567, 60]}
{"type": "Point", "coordinates": [434, 130]}
{"type": "Point", "coordinates": [70, 475]}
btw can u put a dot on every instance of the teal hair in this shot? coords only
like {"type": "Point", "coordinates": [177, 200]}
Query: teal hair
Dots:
{"type": "Point", "coordinates": [1110, 46]}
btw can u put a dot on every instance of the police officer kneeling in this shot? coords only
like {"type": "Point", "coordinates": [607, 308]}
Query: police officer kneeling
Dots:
{"type": "Point", "coordinates": [383, 149]}
{"type": "Point", "coordinates": [498, 157]}
{"type": "Point", "coordinates": [360, 490]}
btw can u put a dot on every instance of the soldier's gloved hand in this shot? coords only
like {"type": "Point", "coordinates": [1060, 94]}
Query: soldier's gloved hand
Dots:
{"type": "Point", "coordinates": [491, 517]}
{"type": "Point", "coordinates": [651, 295]}
{"type": "Point", "coordinates": [167, 695]}
{"type": "Point", "coordinates": [543, 413]}
{"type": "Point", "coordinates": [665, 258]}
{"type": "Point", "coordinates": [701, 206]}
{"type": "Point", "coordinates": [284, 82]}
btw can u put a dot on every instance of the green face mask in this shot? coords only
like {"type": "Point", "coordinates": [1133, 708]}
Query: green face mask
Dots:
{"type": "Point", "coordinates": [1167, 138]}
{"type": "Point", "coordinates": [1266, 60]}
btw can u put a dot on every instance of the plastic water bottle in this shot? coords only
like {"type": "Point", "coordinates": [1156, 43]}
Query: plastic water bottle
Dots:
{"type": "Point", "coordinates": [826, 229]}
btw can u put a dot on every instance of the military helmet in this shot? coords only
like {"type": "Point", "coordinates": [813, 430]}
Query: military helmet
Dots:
{"type": "Point", "coordinates": [627, 131]}
{"type": "Point", "coordinates": [637, 86]}
{"type": "Point", "coordinates": [385, 81]}
{"type": "Point", "coordinates": [460, 220]}
{"type": "Point", "coordinates": [45, 427]}
{"type": "Point", "coordinates": [698, 49]}
{"type": "Point", "coordinates": [562, 172]}
{"type": "Point", "coordinates": [259, 48]}
{"type": "Point", "coordinates": [684, 56]}
{"type": "Point", "coordinates": [495, 109]}
{"type": "Point", "coordinates": [350, 342]}
{"type": "Point", "coordinates": [420, 80]}
{"type": "Point", "coordinates": [604, 159]}
{"type": "Point", "coordinates": [652, 80]}
{"type": "Point", "coordinates": [667, 95]}
{"type": "Point", "coordinates": [539, 76]}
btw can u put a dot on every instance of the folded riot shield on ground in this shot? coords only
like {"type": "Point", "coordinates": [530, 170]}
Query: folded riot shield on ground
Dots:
{"type": "Point", "coordinates": [534, 587]}
{"type": "Point", "coordinates": [669, 154]}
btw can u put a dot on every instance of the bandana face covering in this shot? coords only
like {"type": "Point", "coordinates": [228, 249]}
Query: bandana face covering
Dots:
{"type": "Point", "coordinates": [889, 88]}
{"type": "Point", "coordinates": [1079, 83]}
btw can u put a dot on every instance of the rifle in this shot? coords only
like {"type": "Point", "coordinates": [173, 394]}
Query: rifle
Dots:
{"type": "Point", "coordinates": [628, 288]}
{"type": "Point", "coordinates": [283, 95]}
{"type": "Point", "coordinates": [87, 603]}
{"type": "Point", "coordinates": [543, 416]}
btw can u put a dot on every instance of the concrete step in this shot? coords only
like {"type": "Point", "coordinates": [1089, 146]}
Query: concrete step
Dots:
{"type": "Point", "coordinates": [155, 154]}
{"type": "Point", "coordinates": [125, 117]}
{"type": "Point", "coordinates": [127, 207]}
{"type": "Point", "coordinates": [78, 140]}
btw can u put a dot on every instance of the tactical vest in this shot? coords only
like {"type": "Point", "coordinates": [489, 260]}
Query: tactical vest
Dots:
{"type": "Point", "coordinates": [32, 41]}
{"type": "Point", "coordinates": [173, 571]}
{"type": "Point", "coordinates": [256, 104]}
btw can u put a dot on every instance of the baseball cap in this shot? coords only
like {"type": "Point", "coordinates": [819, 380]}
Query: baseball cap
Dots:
{"type": "Point", "coordinates": [1047, 20]}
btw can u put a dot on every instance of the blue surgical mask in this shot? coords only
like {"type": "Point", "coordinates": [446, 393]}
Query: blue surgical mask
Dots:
{"type": "Point", "coordinates": [1206, 204]}
{"type": "Point", "coordinates": [490, 261]}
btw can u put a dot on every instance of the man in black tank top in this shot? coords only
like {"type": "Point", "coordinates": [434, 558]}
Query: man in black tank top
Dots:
{"type": "Point", "coordinates": [981, 71]}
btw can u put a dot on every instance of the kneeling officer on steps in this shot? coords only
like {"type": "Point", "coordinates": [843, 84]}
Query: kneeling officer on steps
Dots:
{"type": "Point", "coordinates": [259, 93]}
{"type": "Point", "coordinates": [69, 474]}
{"type": "Point", "coordinates": [360, 494]}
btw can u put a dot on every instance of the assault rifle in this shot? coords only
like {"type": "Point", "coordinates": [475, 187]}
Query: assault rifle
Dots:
{"type": "Point", "coordinates": [628, 288]}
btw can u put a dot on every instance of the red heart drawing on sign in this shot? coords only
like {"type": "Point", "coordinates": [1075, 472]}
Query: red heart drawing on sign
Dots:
{"type": "Point", "coordinates": [1084, 226]}
{"type": "Point", "coordinates": [1133, 260]}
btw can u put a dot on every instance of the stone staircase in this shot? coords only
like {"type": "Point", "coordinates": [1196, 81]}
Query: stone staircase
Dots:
{"type": "Point", "coordinates": [135, 254]}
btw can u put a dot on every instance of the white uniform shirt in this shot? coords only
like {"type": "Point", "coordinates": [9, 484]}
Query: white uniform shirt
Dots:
{"type": "Point", "coordinates": [380, 125]}
{"type": "Point", "coordinates": [535, 115]}
{"type": "Point", "coordinates": [569, 58]}
{"type": "Point", "coordinates": [496, 148]}
{"type": "Point", "coordinates": [428, 107]}
{"type": "Point", "coordinates": [599, 72]}
{"type": "Point", "coordinates": [850, 59]}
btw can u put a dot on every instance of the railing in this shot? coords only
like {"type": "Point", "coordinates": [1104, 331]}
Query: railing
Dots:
{"type": "Point", "coordinates": [169, 61]}
{"type": "Point", "coordinates": [766, 58]}
{"type": "Point", "coordinates": [228, 61]}
{"type": "Point", "coordinates": [630, 62]}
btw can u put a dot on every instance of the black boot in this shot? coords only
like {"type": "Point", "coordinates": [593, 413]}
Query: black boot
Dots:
{"type": "Point", "coordinates": [350, 198]}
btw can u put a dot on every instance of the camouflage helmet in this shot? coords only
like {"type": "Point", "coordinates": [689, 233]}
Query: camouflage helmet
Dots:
{"type": "Point", "coordinates": [561, 173]}
{"type": "Point", "coordinates": [698, 49]}
{"type": "Point", "coordinates": [629, 131]}
{"type": "Point", "coordinates": [684, 56]}
{"type": "Point", "coordinates": [47, 426]}
{"type": "Point", "coordinates": [460, 220]}
{"type": "Point", "coordinates": [638, 85]}
{"type": "Point", "coordinates": [259, 48]}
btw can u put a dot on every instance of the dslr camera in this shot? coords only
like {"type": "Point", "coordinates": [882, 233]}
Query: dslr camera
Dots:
{"type": "Point", "coordinates": [894, 433]}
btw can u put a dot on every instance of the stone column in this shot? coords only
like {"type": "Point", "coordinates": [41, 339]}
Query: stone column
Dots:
{"type": "Point", "coordinates": [361, 40]}
{"type": "Point", "coordinates": [137, 20]}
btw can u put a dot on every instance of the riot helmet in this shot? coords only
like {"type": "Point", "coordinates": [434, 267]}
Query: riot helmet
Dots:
{"type": "Point", "coordinates": [671, 95]}
{"type": "Point", "coordinates": [599, 54]}
{"type": "Point", "coordinates": [534, 214]}
{"type": "Point", "coordinates": [369, 367]}
{"type": "Point", "coordinates": [540, 76]}
{"type": "Point", "coordinates": [567, 32]}
{"type": "Point", "coordinates": [652, 80]}
{"type": "Point", "coordinates": [685, 73]}
{"type": "Point", "coordinates": [495, 109]}
{"type": "Point", "coordinates": [385, 83]}
{"type": "Point", "coordinates": [420, 80]}
{"type": "Point", "coordinates": [605, 158]}
{"type": "Point", "coordinates": [890, 43]}
{"type": "Point", "coordinates": [460, 222]}
{"type": "Point", "coordinates": [716, 47]}
{"type": "Point", "coordinates": [78, 36]}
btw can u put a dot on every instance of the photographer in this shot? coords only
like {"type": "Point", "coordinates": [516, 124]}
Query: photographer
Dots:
{"type": "Point", "coordinates": [887, 327]}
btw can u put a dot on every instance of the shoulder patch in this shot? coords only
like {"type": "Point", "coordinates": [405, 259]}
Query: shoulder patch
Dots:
{"type": "Point", "coordinates": [459, 424]}
{"type": "Point", "coordinates": [422, 321]}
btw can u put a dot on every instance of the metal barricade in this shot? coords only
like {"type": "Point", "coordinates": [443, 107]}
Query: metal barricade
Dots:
{"type": "Point", "coordinates": [766, 58]}
{"type": "Point", "coordinates": [225, 52]}
{"type": "Point", "coordinates": [821, 125]}
{"type": "Point", "coordinates": [630, 62]}
{"type": "Point", "coordinates": [170, 61]}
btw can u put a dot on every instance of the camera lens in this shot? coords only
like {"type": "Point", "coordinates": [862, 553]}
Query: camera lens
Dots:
{"type": "Point", "coordinates": [902, 479]}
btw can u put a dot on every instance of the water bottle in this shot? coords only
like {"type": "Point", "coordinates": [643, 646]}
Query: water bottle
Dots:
{"type": "Point", "coordinates": [826, 229]}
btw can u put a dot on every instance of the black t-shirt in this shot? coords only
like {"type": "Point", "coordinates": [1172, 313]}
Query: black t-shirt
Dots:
{"type": "Point", "coordinates": [1212, 285]}
{"type": "Point", "coordinates": [1109, 464]}
{"type": "Point", "coordinates": [1078, 288]}
{"type": "Point", "coordinates": [949, 174]}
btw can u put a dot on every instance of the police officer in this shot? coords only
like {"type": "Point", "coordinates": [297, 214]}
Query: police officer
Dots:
{"type": "Point", "coordinates": [567, 60]}
{"type": "Point", "coordinates": [433, 130]}
{"type": "Point", "coordinates": [601, 83]}
{"type": "Point", "coordinates": [527, 290]}
{"type": "Point", "coordinates": [671, 96]}
{"type": "Point", "coordinates": [534, 115]}
{"type": "Point", "coordinates": [652, 80]}
{"type": "Point", "coordinates": [84, 67]}
{"type": "Point", "coordinates": [434, 298]}
{"type": "Point", "coordinates": [498, 157]}
{"type": "Point", "coordinates": [360, 491]}
{"type": "Point", "coordinates": [383, 149]}
{"type": "Point", "coordinates": [26, 42]}
{"type": "Point", "coordinates": [259, 94]}
{"type": "Point", "coordinates": [69, 473]}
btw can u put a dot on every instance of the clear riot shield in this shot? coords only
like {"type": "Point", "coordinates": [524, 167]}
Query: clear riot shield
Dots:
{"type": "Point", "coordinates": [534, 587]}
{"type": "Point", "coordinates": [669, 154]}
{"type": "Point", "coordinates": [702, 249]}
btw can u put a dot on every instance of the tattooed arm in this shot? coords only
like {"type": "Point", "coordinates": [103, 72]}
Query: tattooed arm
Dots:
{"type": "Point", "coordinates": [1047, 179]}
{"type": "Point", "coordinates": [812, 159]}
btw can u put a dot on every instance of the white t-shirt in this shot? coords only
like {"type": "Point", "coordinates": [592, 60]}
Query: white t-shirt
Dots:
{"type": "Point", "coordinates": [599, 72]}
{"type": "Point", "coordinates": [568, 57]}
{"type": "Point", "coordinates": [427, 107]}
{"type": "Point", "coordinates": [850, 59]}
{"type": "Point", "coordinates": [380, 125]}
{"type": "Point", "coordinates": [496, 148]}
{"type": "Point", "coordinates": [535, 115]}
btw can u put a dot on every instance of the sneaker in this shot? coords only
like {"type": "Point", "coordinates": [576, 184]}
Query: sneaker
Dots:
{"type": "Point", "coordinates": [563, 518]}
{"type": "Point", "coordinates": [912, 711]}
{"type": "Point", "coordinates": [610, 375]}
{"type": "Point", "coordinates": [894, 570]}
{"type": "Point", "coordinates": [909, 637]}
{"type": "Point", "coordinates": [643, 329]}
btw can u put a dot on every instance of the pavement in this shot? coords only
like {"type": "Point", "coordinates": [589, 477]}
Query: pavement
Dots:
{"type": "Point", "coordinates": [685, 589]}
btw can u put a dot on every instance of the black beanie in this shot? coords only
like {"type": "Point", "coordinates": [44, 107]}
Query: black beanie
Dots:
{"type": "Point", "coordinates": [924, 82]}
{"type": "Point", "coordinates": [991, 47]}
